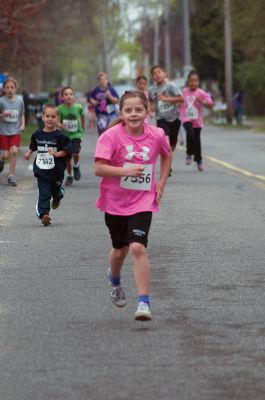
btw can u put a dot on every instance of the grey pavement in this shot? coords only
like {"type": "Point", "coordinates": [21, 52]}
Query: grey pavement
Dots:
{"type": "Point", "coordinates": [60, 336]}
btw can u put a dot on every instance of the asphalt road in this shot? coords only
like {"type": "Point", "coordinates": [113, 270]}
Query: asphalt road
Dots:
{"type": "Point", "coordinates": [60, 336]}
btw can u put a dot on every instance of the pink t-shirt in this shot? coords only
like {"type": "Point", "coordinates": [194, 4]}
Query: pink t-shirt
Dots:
{"type": "Point", "coordinates": [191, 110]}
{"type": "Point", "coordinates": [130, 195]}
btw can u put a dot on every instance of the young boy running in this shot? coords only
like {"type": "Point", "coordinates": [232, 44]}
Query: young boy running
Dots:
{"type": "Point", "coordinates": [165, 98]}
{"type": "Point", "coordinates": [52, 148]}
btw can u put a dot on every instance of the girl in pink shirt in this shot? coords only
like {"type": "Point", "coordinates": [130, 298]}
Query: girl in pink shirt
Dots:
{"type": "Point", "coordinates": [191, 116]}
{"type": "Point", "coordinates": [125, 158]}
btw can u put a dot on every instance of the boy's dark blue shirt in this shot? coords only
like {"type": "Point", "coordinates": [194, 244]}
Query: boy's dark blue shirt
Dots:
{"type": "Point", "coordinates": [41, 141]}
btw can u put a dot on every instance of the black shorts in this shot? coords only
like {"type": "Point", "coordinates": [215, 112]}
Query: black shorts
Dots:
{"type": "Point", "coordinates": [171, 129]}
{"type": "Point", "coordinates": [76, 145]}
{"type": "Point", "coordinates": [126, 229]}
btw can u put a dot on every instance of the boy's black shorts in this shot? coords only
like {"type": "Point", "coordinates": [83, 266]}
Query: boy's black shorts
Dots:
{"type": "Point", "coordinates": [76, 145]}
{"type": "Point", "coordinates": [171, 129]}
{"type": "Point", "coordinates": [126, 229]}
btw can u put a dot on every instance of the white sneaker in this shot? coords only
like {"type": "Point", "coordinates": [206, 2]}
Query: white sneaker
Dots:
{"type": "Point", "coordinates": [117, 296]}
{"type": "Point", "coordinates": [143, 312]}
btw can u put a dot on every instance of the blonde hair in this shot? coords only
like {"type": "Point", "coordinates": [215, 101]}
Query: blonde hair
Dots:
{"type": "Point", "coordinates": [130, 94]}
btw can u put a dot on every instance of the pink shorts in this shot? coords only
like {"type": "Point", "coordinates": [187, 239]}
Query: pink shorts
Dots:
{"type": "Point", "coordinates": [8, 141]}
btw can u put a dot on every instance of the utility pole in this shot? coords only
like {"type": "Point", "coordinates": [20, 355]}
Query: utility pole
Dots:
{"type": "Point", "coordinates": [105, 54]}
{"type": "Point", "coordinates": [156, 36]}
{"type": "Point", "coordinates": [167, 38]}
{"type": "Point", "coordinates": [228, 61]}
{"type": "Point", "coordinates": [146, 61]}
{"type": "Point", "coordinates": [186, 34]}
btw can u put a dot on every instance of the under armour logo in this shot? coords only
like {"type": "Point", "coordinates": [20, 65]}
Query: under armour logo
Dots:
{"type": "Point", "coordinates": [143, 154]}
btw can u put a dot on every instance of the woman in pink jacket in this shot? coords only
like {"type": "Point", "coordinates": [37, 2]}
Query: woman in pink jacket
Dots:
{"type": "Point", "coordinates": [191, 113]}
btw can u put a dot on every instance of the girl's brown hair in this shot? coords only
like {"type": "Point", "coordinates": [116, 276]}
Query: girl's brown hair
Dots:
{"type": "Point", "coordinates": [131, 94]}
{"type": "Point", "coordinates": [65, 88]}
{"type": "Point", "coordinates": [191, 73]}
{"type": "Point", "coordinates": [10, 79]}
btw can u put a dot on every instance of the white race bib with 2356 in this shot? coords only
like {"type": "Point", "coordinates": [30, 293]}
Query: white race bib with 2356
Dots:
{"type": "Point", "coordinates": [45, 161]}
{"type": "Point", "coordinates": [143, 182]}
{"type": "Point", "coordinates": [70, 125]}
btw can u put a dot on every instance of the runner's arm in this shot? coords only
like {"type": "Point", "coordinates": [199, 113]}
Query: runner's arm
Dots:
{"type": "Point", "coordinates": [179, 100]}
{"type": "Point", "coordinates": [27, 154]}
{"type": "Point", "coordinates": [57, 154]}
{"type": "Point", "coordinates": [165, 165]}
{"type": "Point", "coordinates": [22, 123]}
{"type": "Point", "coordinates": [83, 121]}
{"type": "Point", "coordinates": [103, 169]}
{"type": "Point", "coordinates": [111, 98]}
{"type": "Point", "coordinates": [206, 103]}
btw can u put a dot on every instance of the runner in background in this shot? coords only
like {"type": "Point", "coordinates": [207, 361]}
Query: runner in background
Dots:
{"type": "Point", "coordinates": [104, 97]}
{"type": "Point", "coordinates": [192, 118]}
{"type": "Point", "coordinates": [142, 85]}
{"type": "Point", "coordinates": [125, 158]}
{"type": "Point", "coordinates": [165, 98]}
{"type": "Point", "coordinates": [12, 124]}
{"type": "Point", "coordinates": [72, 121]}
{"type": "Point", "coordinates": [92, 124]}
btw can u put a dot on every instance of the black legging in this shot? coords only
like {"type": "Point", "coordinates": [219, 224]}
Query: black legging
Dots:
{"type": "Point", "coordinates": [193, 141]}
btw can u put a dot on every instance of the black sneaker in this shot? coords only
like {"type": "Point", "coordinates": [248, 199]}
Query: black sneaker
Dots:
{"type": "Point", "coordinates": [11, 181]}
{"type": "Point", "coordinates": [77, 173]}
{"type": "Point", "coordinates": [69, 181]}
{"type": "Point", "coordinates": [55, 204]}
{"type": "Point", "coordinates": [2, 164]}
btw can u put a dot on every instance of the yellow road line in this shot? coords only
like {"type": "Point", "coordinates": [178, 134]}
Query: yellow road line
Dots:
{"type": "Point", "coordinates": [232, 167]}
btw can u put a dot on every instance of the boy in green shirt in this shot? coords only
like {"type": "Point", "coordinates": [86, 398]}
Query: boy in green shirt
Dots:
{"type": "Point", "coordinates": [71, 119]}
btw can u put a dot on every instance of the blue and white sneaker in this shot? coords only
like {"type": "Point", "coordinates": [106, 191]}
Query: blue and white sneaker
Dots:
{"type": "Point", "coordinates": [117, 294]}
{"type": "Point", "coordinates": [143, 312]}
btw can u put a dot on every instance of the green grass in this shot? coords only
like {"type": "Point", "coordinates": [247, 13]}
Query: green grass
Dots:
{"type": "Point", "coordinates": [25, 138]}
{"type": "Point", "coordinates": [257, 118]}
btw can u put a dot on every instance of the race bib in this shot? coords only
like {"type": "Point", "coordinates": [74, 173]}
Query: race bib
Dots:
{"type": "Point", "coordinates": [143, 182]}
{"type": "Point", "coordinates": [45, 161]}
{"type": "Point", "coordinates": [164, 106]}
{"type": "Point", "coordinates": [110, 108]}
{"type": "Point", "coordinates": [13, 117]}
{"type": "Point", "coordinates": [70, 125]}
{"type": "Point", "coordinates": [192, 113]}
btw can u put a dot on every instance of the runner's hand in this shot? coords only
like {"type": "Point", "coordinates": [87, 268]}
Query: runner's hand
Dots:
{"type": "Point", "coordinates": [27, 155]}
{"type": "Point", "coordinates": [159, 192]}
{"type": "Point", "coordinates": [136, 170]}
